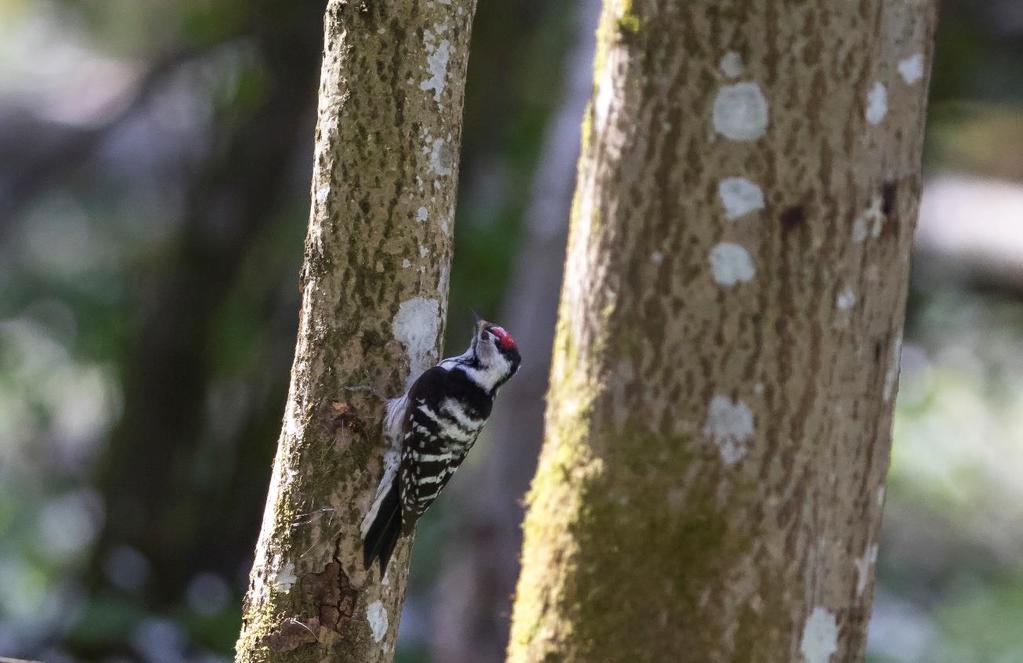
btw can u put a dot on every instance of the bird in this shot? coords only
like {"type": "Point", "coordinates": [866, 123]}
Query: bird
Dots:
{"type": "Point", "coordinates": [434, 424]}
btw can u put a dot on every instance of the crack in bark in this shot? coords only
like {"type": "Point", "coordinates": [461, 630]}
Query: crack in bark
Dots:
{"type": "Point", "coordinates": [332, 592]}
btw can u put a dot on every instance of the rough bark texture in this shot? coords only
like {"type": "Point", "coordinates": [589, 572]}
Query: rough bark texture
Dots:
{"type": "Point", "coordinates": [473, 612]}
{"type": "Point", "coordinates": [718, 430]}
{"type": "Point", "coordinates": [374, 285]}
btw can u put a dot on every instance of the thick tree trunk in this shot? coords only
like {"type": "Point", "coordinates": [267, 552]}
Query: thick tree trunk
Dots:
{"type": "Point", "coordinates": [481, 561]}
{"type": "Point", "coordinates": [374, 286]}
{"type": "Point", "coordinates": [727, 350]}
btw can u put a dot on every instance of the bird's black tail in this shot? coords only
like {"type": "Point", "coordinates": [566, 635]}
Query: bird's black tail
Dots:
{"type": "Point", "coordinates": [384, 532]}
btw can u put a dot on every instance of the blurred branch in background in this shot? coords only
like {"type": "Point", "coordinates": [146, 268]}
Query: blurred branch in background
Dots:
{"type": "Point", "coordinates": [34, 169]}
{"type": "Point", "coordinates": [971, 231]}
{"type": "Point", "coordinates": [480, 559]}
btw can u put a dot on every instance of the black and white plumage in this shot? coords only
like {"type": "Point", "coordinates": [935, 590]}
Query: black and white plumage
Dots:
{"type": "Point", "coordinates": [437, 421]}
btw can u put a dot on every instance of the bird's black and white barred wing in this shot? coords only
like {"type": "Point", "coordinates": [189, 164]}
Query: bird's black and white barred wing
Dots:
{"type": "Point", "coordinates": [445, 415]}
{"type": "Point", "coordinates": [440, 418]}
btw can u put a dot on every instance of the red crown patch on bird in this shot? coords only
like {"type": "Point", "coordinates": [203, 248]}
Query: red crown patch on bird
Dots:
{"type": "Point", "coordinates": [504, 339]}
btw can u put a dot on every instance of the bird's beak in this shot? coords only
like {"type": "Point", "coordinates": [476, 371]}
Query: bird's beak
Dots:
{"type": "Point", "coordinates": [477, 325]}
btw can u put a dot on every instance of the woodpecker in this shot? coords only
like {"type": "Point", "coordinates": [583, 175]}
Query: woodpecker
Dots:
{"type": "Point", "coordinates": [434, 424]}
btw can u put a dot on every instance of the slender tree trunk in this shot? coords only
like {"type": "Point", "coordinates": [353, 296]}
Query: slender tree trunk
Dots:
{"type": "Point", "coordinates": [718, 428]}
{"type": "Point", "coordinates": [374, 286]}
{"type": "Point", "coordinates": [481, 562]}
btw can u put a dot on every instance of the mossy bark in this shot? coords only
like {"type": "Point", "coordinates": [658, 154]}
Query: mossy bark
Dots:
{"type": "Point", "coordinates": [718, 427]}
{"type": "Point", "coordinates": [374, 296]}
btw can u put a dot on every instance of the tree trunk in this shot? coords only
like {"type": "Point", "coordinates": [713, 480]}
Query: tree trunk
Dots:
{"type": "Point", "coordinates": [718, 428]}
{"type": "Point", "coordinates": [471, 620]}
{"type": "Point", "coordinates": [374, 286]}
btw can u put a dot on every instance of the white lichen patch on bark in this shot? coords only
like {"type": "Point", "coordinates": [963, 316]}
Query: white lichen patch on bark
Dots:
{"type": "Point", "coordinates": [444, 278]}
{"type": "Point", "coordinates": [912, 68]}
{"type": "Point", "coordinates": [285, 578]}
{"type": "Point", "coordinates": [607, 98]}
{"type": "Point", "coordinates": [730, 264]}
{"type": "Point", "coordinates": [731, 65]}
{"type": "Point", "coordinates": [376, 615]}
{"type": "Point", "coordinates": [863, 566]}
{"type": "Point", "coordinates": [657, 257]}
{"type": "Point", "coordinates": [730, 426]}
{"type": "Point", "coordinates": [740, 112]}
{"type": "Point", "coordinates": [416, 325]}
{"type": "Point", "coordinates": [869, 222]}
{"type": "Point", "coordinates": [436, 62]}
{"type": "Point", "coordinates": [846, 299]}
{"type": "Point", "coordinates": [422, 214]}
{"type": "Point", "coordinates": [820, 637]}
{"type": "Point", "coordinates": [603, 98]}
{"type": "Point", "coordinates": [740, 196]}
{"type": "Point", "coordinates": [292, 426]}
{"type": "Point", "coordinates": [877, 103]}
{"type": "Point", "coordinates": [894, 363]}
{"type": "Point", "coordinates": [440, 159]}
{"type": "Point", "coordinates": [322, 194]}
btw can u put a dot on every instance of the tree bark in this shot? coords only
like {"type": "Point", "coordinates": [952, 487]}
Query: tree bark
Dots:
{"type": "Point", "coordinates": [718, 428]}
{"type": "Point", "coordinates": [374, 284]}
{"type": "Point", "coordinates": [472, 616]}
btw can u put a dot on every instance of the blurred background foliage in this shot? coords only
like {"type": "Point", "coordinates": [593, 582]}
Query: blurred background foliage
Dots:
{"type": "Point", "coordinates": [154, 173]}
